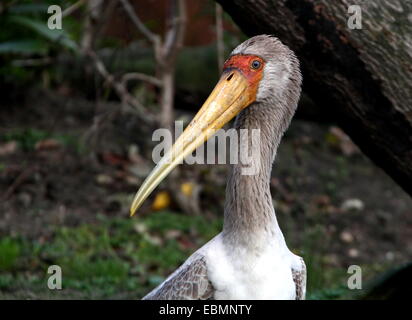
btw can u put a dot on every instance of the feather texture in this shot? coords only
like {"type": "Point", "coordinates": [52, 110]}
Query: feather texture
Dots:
{"type": "Point", "coordinates": [189, 282]}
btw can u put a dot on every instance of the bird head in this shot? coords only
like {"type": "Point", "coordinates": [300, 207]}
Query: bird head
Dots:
{"type": "Point", "coordinates": [258, 70]}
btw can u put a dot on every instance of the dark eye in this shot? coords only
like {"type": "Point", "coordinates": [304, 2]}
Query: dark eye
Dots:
{"type": "Point", "coordinates": [255, 64]}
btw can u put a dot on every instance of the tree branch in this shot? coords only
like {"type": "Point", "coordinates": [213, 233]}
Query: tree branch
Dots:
{"type": "Point", "coordinates": [68, 11]}
{"type": "Point", "coordinates": [141, 77]}
{"type": "Point", "coordinates": [175, 35]}
{"type": "Point", "coordinates": [219, 36]}
{"type": "Point", "coordinates": [120, 89]}
{"type": "Point", "coordinates": [154, 38]}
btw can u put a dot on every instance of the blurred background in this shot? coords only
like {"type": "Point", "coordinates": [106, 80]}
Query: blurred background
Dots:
{"type": "Point", "coordinates": [78, 107]}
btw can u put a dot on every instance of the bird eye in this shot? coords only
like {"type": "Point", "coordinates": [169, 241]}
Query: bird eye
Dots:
{"type": "Point", "coordinates": [255, 64]}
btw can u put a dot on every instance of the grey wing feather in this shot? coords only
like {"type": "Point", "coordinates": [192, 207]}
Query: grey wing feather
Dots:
{"type": "Point", "coordinates": [189, 282]}
{"type": "Point", "coordinates": [299, 277]}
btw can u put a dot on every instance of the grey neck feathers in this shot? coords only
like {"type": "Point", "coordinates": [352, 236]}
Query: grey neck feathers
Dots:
{"type": "Point", "coordinates": [249, 217]}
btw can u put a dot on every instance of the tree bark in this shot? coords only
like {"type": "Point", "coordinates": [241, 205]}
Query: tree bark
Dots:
{"type": "Point", "coordinates": [361, 77]}
{"type": "Point", "coordinates": [168, 92]}
{"type": "Point", "coordinates": [94, 8]}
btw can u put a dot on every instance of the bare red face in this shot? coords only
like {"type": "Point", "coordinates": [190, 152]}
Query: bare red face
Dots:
{"type": "Point", "coordinates": [250, 66]}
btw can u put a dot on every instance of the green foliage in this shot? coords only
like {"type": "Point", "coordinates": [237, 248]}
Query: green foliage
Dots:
{"type": "Point", "coordinates": [10, 251]}
{"type": "Point", "coordinates": [125, 258]}
{"type": "Point", "coordinates": [110, 257]}
{"type": "Point", "coordinates": [83, 267]}
{"type": "Point", "coordinates": [27, 138]}
{"type": "Point", "coordinates": [6, 281]}
{"type": "Point", "coordinates": [56, 36]}
{"type": "Point", "coordinates": [161, 256]}
{"type": "Point", "coordinates": [24, 22]}
{"type": "Point", "coordinates": [24, 34]}
{"type": "Point", "coordinates": [131, 256]}
{"type": "Point", "coordinates": [312, 254]}
{"type": "Point", "coordinates": [200, 59]}
{"type": "Point", "coordinates": [329, 293]}
{"type": "Point", "coordinates": [24, 46]}
{"type": "Point", "coordinates": [165, 220]}
{"type": "Point", "coordinates": [27, 7]}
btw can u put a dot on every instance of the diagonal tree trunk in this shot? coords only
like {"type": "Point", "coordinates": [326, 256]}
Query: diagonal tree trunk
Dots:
{"type": "Point", "coordinates": [361, 77]}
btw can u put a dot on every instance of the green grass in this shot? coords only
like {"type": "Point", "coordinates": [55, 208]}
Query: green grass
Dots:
{"type": "Point", "coordinates": [6, 281]}
{"type": "Point", "coordinates": [10, 251]}
{"type": "Point", "coordinates": [126, 258]}
{"type": "Point", "coordinates": [118, 257]}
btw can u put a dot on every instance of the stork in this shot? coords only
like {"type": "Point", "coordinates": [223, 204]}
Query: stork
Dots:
{"type": "Point", "coordinates": [249, 259]}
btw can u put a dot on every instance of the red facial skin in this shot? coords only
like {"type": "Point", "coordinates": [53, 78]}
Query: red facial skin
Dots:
{"type": "Point", "coordinates": [243, 63]}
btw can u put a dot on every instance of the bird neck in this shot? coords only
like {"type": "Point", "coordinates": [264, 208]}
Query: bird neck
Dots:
{"type": "Point", "coordinates": [249, 218]}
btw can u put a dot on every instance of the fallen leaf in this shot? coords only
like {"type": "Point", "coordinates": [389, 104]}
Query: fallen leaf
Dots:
{"type": "Point", "coordinates": [346, 236]}
{"type": "Point", "coordinates": [352, 205]}
{"type": "Point", "coordinates": [187, 188]}
{"type": "Point", "coordinates": [322, 200]}
{"type": "Point", "coordinates": [133, 181]}
{"type": "Point", "coordinates": [114, 159]}
{"type": "Point", "coordinates": [186, 244]}
{"type": "Point", "coordinates": [104, 179]}
{"type": "Point", "coordinates": [161, 201]}
{"type": "Point", "coordinates": [47, 144]}
{"type": "Point", "coordinates": [140, 227]}
{"type": "Point", "coordinates": [133, 154]}
{"type": "Point", "coordinates": [339, 139]}
{"type": "Point", "coordinates": [173, 234]}
{"type": "Point", "coordinates": [8, 148]}
{"type": "Point", "coordinates": [353, 253]}
{"type": "Point", "coordinates": [140, 170]}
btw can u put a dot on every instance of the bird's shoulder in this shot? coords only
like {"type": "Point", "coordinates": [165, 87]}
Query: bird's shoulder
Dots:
{"type": "Point", "coordinates": [189, 282]}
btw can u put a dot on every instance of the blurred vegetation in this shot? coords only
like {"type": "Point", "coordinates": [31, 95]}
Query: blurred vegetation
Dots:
{"type": "Point", "coordinates": [30, 51]}
{"type": "Point", "coordinates": [24, 34]}
{"type": "Point", "coordinates": [27, 139]}
{"type": "Point", "coordinates": [115, 257]}
{"type": "Point", "coordinates": [122, 258]}
{"type": "Point", "coordinates": [9, 253]}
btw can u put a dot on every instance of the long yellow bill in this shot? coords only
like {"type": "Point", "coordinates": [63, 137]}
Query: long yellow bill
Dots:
{"type": "Point", "coordinates": [227, 99]}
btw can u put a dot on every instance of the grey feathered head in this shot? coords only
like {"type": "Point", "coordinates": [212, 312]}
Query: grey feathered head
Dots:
{"type": "Point", "coordinates": [281, 72]}
{"type": "Point", "coordinates": [261, 73]}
